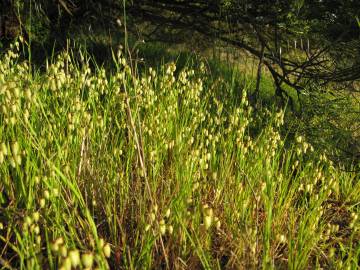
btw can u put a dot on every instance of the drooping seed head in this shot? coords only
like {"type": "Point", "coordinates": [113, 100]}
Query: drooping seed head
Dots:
{"type": "Point", "coordinates": [87, 260]}
{"type": "Point", "coordinates": [74, 256]}
{"type": "Point", "coordinates": [107, 250]}
{"type": "Point", "coordinates": [207, 221]}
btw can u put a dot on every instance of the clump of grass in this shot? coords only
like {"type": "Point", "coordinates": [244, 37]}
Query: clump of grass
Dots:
{"type": "Point", "coordinates": [160, 170]}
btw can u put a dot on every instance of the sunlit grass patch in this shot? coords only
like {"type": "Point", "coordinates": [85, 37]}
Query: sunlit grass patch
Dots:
{"type": "Point", "coordinates": [170, 168]}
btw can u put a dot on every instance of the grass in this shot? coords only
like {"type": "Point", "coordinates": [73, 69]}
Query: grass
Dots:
{"type": "Point", "coordinates": [164, 169]}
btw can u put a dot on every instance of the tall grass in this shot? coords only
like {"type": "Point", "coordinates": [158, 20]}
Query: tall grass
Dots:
{"type": "Point", "coordinates": [159, 170]}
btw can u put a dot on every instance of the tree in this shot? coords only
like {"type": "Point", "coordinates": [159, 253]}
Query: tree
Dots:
{"type": "Point", "coordinates": [262, 27]}
{"type": "Point", "coordinates": [10, 25]}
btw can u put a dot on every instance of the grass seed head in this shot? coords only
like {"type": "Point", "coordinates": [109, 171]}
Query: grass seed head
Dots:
{"type": "Point", "coordinates": [28, 220]}
{"type": "Point", "coordinates": [36, 229]}
{"type": "Point", "coordinates": [74, 256]}
{"type": "Point", "coordinates": [152, 217]}
{"type": "Point", "coordinates": [18, 160]}
{"type": "Point", "coordinates": [54, 247]}
{"type": "Point", "coordinates": [66, 264]}
{"type": "Point", "coordinates": [42, 203]}
{"type": "Point", "coordinates": [15, 148]}
{"type": "Point", "coordinates": [46, 194]}
{"type": "Point", "coordinates": [38, 240]}
{"type": "Point", "coordinates": [63, 251]}
{"type": "Point", "coordinates": [101, 242]}
{"type": "Point", "coordinates": [207, 221]}
{"type": "Point", "coordinates": [167, 213]}
{"type": "Point", "coordinates": [55, 192]}
{"type": "Point", "coordinates": [107, 250]}
{"type": "Point", "coordinates": [4, 149]}
{"type": "Point", "coordinates": [282, 238]}
{"type": "Point", "coordinates": [217, 223]}
{"type": "Point", "coordinates": [162, 227]}
{"type": "Point", "coordinates": [87, 259]}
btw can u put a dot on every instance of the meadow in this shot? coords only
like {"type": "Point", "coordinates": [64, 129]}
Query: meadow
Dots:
{"type": "Point", "coordinates": [163, 168]}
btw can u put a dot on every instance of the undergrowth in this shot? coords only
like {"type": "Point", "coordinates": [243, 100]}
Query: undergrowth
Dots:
{"type": "Point", "coordinates": [155, 170]}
